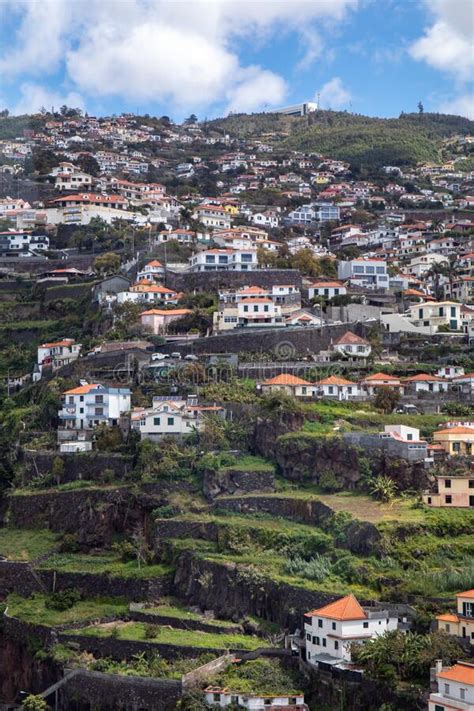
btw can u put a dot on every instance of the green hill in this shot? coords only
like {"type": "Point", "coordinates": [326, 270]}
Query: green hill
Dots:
{"type": "Point", "coordinates": [361, 140]}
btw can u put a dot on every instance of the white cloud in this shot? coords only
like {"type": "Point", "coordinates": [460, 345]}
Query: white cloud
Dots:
{"type": "Point", "coordinates": [183, 52]}
{"type": "Point", "coordinates": [461, 106]}
{"type": "Point", "coordinates": [34, 97]}
{"type": "Point", "coordinates": [333, 95]}
{"type": "Point", "coordinates": [447, 44]}
{"type": "Point", "coordinates": [258, 89]}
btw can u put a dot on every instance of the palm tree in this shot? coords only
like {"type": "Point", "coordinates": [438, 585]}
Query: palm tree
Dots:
{"type": "Point", "coordinates": [185, 215]}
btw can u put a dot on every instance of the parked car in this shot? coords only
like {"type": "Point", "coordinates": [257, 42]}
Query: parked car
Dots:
{"type": "Point", "coordinates": [159, 356]}
{"type": "Point", "coordinates": [407, 410]}
{"type": "Point", "coordinates": [176, 355]}
{"type": "Point", "coordinates": [190, 356]}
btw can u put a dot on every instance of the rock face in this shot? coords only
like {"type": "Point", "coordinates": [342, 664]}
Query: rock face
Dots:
{"type": "Point", "coordinates": [20, 669]}
{"type": "Point", "coordinates": [233, 592]}
{"type": "Point", "coordinates": [233, 481]}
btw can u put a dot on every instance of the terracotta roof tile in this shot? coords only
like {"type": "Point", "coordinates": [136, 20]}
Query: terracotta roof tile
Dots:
{"type": "Point", "coordinates": [346, 608]}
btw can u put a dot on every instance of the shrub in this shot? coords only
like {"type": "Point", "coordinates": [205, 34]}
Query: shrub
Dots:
{"type": "Point", "coordinates": [165, 511]}
{"type": "Point", "coordinates": [317, 568]}
{"type": "Point", "coordinates": [69, 543]}
{"type": "Point", "coordinates": [62, 600]}
{"type": "Point", "coordinates": [126, 550]}
{"type": "Point", "coordinates": [151, 631]}
{"type": "Point", "coordinates": [34, 703]}
{"type": "Point", "coordinates": [329, 483]}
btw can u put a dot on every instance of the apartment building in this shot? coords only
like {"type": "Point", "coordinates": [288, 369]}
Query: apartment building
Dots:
{"type": "Point", "coordinates": [92, 404]}
{"type": "Point", "coordinates": [226, 259]}
{"type": "Point", "coordinates": [436, 315]}
{"type": "Point", "coordinates": [368, 272]}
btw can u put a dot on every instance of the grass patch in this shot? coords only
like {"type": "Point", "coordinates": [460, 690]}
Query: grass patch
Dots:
{"type": "Point", "coordinates": [173, 608]}
{"type": "Point", "coordinates": [250, 463]}
{"type": "Point", "coordinates": [26, 544]}
{"type": "Point", "coordinates": [107, 563]}
{"type": "Point", "coordinates": [136, 631]}
{"type": "Point", "coordinates": [33, 610]}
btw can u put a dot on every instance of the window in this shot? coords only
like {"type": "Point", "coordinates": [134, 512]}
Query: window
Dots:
{"type": "Point", "coordinates": [157, 421]}
{"type": "Point", "coordinates": [246, 308]}
{"type": "Point", "coordinates": [99, 410]}
{"type": "Point", "coordinates": [447, 628]}
{"type": "Point", "coordinates": [438, 708]}
{"type": "Point", "coordinates": [81, 399]}
{"type": "Point", "coordinates": [453, 311]}
{"type": "Point", "coordinates": [316, 640]}
{"type": "Point", "coordinates": [171, 420]}
{"type": "Point", "coordinates": [448, 499]}
{"type": "Point", "coordinates": [308, 637]}
{"type": "Point", "coordinates": [324, 641]}
{"type": "Point", "coordinates": [99, 398]}
{"type": "Point", "coordinates": [333, 625]}
{"type": "Point", "coordinates": [336, 644]}
{"type": "Point", "coordinates": [462, 693]}
{"type": "Point", "coordinates": [265, 308]}
{"type": "Point", "coordinates": [446, 688]}
{"type": "Point", "coordinates": [365, 625]}
{"type": "Point", "coordinates": [320, 623]}
{"type": "Point", "coordinates": [471, 483]}
{"type": "Point", "coordinates": [447, 483]}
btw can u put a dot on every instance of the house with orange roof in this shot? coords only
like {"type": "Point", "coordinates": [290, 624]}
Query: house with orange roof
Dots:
{"type": "Point", "coordinates": [157, 320]}
{"type": "Point", "coordinates": [145, 292]}
{"type": "Point", "coordinates": [58, 353]}
{"type": "Point", "coordinates": [326, 289]}
{"type": "Point", "coordinates": [455, 690]}
{"type": "Point", "coordinates": [330, 630]}
{"type": "Point", "coordinates": [372, 383]}
{"type": "Point", "coordinates": [290, 384]}
{"type": "Point", "coordinates": [461, 622]}
{"type": "Point", "coordinates": [424, 382]}
{"type": "Point", "coordinates": [302, 317]}
{"type": "Point", "coordinates": [337, 387]}
{"type": "Point", "coordinates": [352, 345]}
{"type": "Point", "coordinates": [452, 491]}
{"type": "Point", "coordinates": [170, 416]}
{"type": "Point", "coordinates": [457, 440]}
{"type": "Point", "coordinates": [89, 405]}
{"type": "Point", "coordinates": [152, 272]}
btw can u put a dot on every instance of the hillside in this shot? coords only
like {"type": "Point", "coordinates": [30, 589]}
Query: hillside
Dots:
{"type": "Point", "coordinates": [361, 140]}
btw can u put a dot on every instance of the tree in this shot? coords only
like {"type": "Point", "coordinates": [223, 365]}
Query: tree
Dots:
{"type": "Point", "coordinates": [191, 120]}
{"type": "Point", "coordinates": [421, 108]}
{"type": "Point", "coordinates": [107, 263]}
{"type": "Point", "coordinates": [58, 470]}
{"type": "Point", "coordinates": [35, 703]}
{"type": "Point", "coordinates": [88, 164]}
{"type": "Point", "coordinates": [386, 399]}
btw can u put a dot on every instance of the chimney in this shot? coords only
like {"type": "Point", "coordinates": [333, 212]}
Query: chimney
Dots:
{"type": "Point", "coordinates": [439, 665]}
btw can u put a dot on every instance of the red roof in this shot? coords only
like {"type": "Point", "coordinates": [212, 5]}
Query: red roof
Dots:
{"type": "Point", "coordinates": [286, 379]}
{"type": "Point", "coordinates": [335, 380]}
{"type": "Point", "coordinates": [350, 338]}
{"type": "Point", "coordinates": [82, 389]}
{"type": "Point", "coordinates": [462, 672]}
{"type": "Point", "coordinates": [347, 608]}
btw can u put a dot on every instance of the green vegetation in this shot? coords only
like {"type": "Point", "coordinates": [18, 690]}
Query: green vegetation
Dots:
{"type": "Point", "coordinates": [26, 544]}
{"type": "Point", "coordinates": [107, 563]}
{"type": "Point", "coordinates": [36, 610]}
{"type": "Point", "coordinates": [250, 463]}
{"type": "Point", "coordinates": [173, 608]}
{"type": "Point", "coordinates": [137, 631]}
{"type": "Point", "coordinates": [260, 676]}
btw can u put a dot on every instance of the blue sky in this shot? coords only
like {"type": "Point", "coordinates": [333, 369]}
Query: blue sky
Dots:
{"type": "Point", "coordinates": [174, 57]}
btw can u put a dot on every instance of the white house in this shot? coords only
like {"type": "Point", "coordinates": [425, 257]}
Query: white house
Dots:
{"type": "Point", "coordinates": [326, 289]}
{"type": "Point", "coordinates": [434, 314]}
{"type": "Point", "coordinates": [349, 344]}
{"type": "Point", "coordinates": [58, 353]}
{"type": "Point", "coordinates": [268, 218]}
{"type": "Point", "coordinates": [169, 416]}
{"type": "Point", "coordinates": [73, 181]}
{"type": "Point", "coordinates": [423, 382]}
{"type": "Point", "coordinates": [92, 404]}
{"type": "Point", "coordinates": [368, 272]}
{"type": "Point", "coordinates": [222, 698]}
{"type": "Point", "coordinates": [455, 688]}
{"type": "Point", "coordinates": [22, 244]}
{"type": "Point", "coordinates": [227, 259]}
{"type": "Point", "coordinates": [450, 371]}
{"type": "Point", "coordinates": [290, 384]}
{"type": "Point", "coordinates": [144, 292]}
{"type": "Point", "coordinates": [152, 271]}
{"type": "Point", "coordinates": [336, 387]}
{"type": "Point", "coordinates": [330, 630]}
{"type": "Point", "coordinates": [250, 312]}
